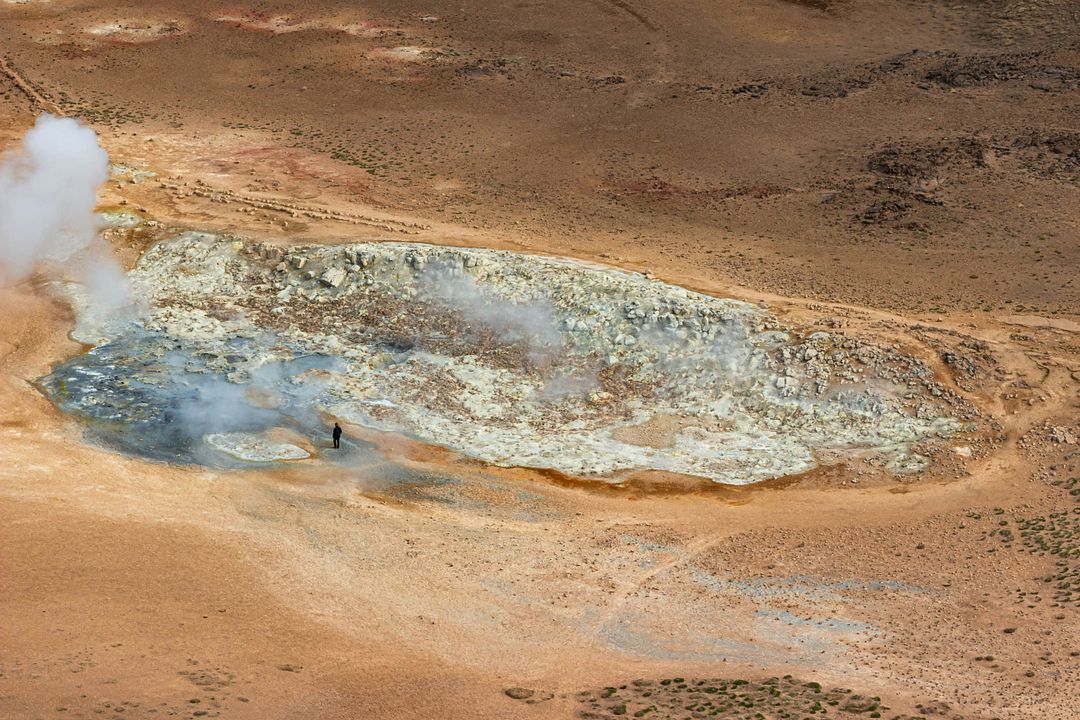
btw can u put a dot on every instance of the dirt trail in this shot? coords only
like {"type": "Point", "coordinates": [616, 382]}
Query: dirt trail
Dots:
{"type": "Point", "coordinates": [36, 98]}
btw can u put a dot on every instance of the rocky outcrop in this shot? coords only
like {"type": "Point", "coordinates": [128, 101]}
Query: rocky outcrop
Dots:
{"type": "Point", "coordinates": [523, 360]}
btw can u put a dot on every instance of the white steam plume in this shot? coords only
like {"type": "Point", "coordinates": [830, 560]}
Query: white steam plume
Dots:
{"type": "Point", "coordinates": [48, 188]}
{"type": "Point", "coordinates": [532, 320]}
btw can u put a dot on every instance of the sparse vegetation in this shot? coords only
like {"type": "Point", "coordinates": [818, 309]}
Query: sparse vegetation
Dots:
{"type": "Point", "coordinates": [1056, 535]}
{"type": "Point", "coordinates": [783, 698]}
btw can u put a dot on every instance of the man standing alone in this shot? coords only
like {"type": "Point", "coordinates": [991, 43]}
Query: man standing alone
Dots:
{"type": "Point", "coordinates": [337, 435]}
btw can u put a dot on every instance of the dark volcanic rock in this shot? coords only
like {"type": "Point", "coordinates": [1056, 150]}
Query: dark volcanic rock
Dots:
{"type": "Point", "coordinates": [519, 693]}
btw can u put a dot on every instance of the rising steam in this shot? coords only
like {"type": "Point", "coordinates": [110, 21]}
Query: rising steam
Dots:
{"type": "Point", "coordinates": [48, 188]}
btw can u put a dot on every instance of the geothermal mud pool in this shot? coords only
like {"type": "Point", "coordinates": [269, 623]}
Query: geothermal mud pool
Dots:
{"type": "Point", "coordinates": [243, 352]}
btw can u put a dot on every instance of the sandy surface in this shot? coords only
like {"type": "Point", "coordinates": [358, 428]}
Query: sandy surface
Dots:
{"type": "Point", "coordinates": [796, 154]}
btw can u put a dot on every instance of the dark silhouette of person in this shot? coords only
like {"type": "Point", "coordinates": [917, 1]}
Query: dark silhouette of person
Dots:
{"type": "Point", "coordinates": [337, 435]}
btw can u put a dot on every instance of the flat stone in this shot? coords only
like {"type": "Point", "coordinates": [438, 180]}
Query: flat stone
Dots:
{"type": "Point", "coordinates": [253, 447]}
{"type": "Point", "coordinates": [333, 277]}
{"type": "Point", "coordinates": [519, 693]}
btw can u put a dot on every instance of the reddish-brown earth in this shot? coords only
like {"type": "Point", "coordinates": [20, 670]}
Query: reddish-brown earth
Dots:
{"type": "Point", "coordinates": [905, 169]}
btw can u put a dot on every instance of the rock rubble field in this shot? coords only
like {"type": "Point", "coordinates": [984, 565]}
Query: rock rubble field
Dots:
{"type": "Point", "coordinates": [516, 360]}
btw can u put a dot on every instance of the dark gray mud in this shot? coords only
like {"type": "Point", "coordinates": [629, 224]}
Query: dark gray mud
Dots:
{"type": "Point", "coordinates": [154, 397]}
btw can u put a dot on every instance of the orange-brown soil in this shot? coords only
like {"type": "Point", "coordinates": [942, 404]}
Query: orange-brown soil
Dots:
{"type": "Point", "coordinates": [903, 169]}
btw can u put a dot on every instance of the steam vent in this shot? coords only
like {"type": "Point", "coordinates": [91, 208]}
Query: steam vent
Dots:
{"type": "Point", "coordinates": [512, 359]}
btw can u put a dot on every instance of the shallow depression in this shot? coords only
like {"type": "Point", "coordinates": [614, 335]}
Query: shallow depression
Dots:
{"type": "Point", "coordinates": [512, 359]}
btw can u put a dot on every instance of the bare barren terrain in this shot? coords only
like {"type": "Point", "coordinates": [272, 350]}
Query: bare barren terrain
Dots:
{"type": "Point", "coordinates": [901, 172]}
